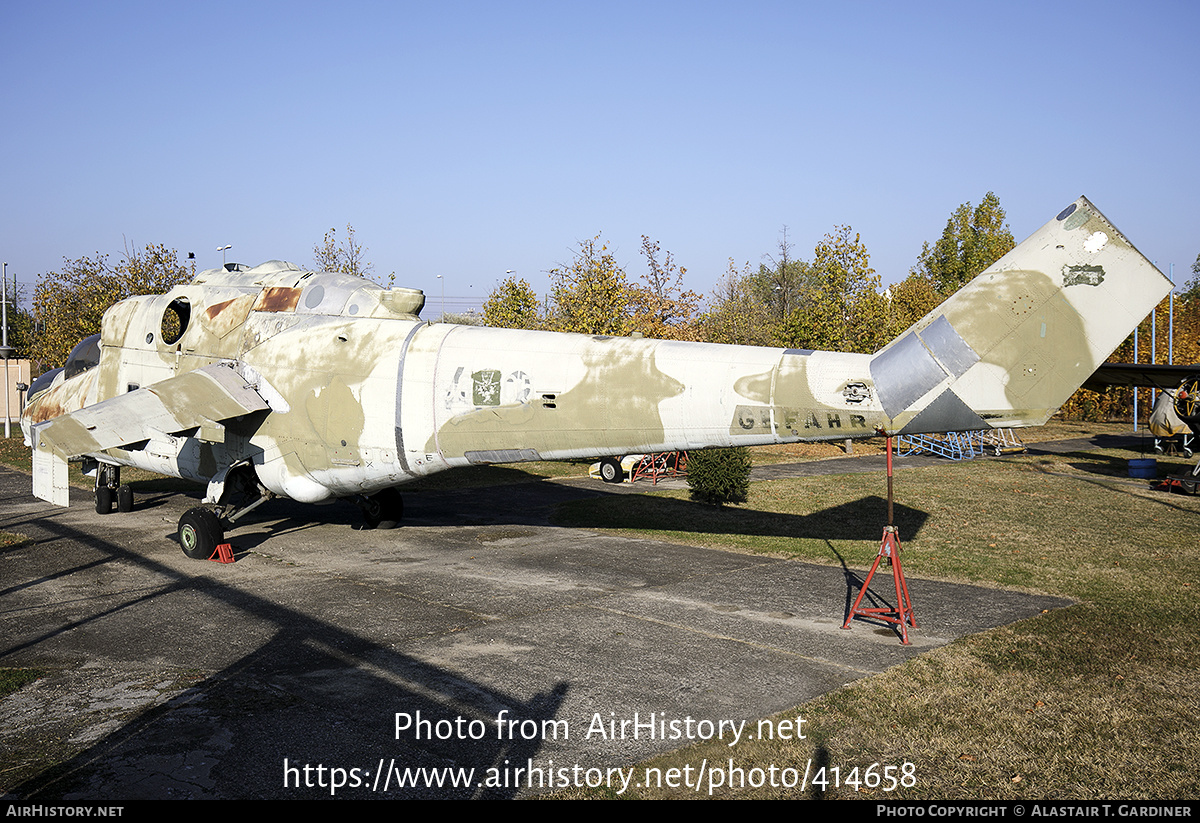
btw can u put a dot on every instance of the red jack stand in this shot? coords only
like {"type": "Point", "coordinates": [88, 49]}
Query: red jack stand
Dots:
{"type": "Point", "coordinates": [889, 547]}
{"type": "Point", "coordinates": [223, 554]}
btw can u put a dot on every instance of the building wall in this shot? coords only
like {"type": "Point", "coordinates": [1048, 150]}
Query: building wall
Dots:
{"type": "Point", "coordinates": [18, 372]}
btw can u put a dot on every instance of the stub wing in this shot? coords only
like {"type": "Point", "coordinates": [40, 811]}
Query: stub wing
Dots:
{"type": "Point", "coordinates": [200, 400]}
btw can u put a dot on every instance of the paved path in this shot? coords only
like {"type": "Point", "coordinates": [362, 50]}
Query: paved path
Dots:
{"type": "Point", "coordinates": [864, 463]}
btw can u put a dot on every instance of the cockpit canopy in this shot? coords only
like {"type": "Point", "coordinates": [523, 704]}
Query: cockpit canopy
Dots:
{"type": "Point", "coordinates": [43, 382]}
{"type": "Point", "coordinates": [84, 356]}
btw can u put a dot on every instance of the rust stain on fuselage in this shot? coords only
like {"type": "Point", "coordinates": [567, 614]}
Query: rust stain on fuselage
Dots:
{"type": "Point", "coordinates": [64, 398]}
{"type": "Point", "coordinates": [278, 298]}
{"type": "Point", "coordinates": [222, 318]}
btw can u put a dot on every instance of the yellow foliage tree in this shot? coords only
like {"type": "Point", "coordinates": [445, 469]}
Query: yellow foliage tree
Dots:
{"type": "Point", "coordinates": [910, 300]}
{"type": "Point", "coordinates": [735, 314]}
{"type": "Point", "coordinates": [659, 305]}
{"type": "Point", "coordinates": [591, 294]}
{"type": "Point", "coordinates": [1116, 402]}
{"type": "Point", "coordinates": [346, 257]}
{"type": "Point", "coordinates": [842, 309]}
{"type": "Point", "coordinates": [512, 305]}
{"type": "Point", "coordinates": [69, 303]}
{"type": "Point", "coordinates": [974, 238]}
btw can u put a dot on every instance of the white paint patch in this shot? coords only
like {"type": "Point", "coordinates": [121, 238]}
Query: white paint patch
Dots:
{"type": "Point", "coordinates": [268, 392]}
{"type": "Point", "coordinates": [1095, 242]}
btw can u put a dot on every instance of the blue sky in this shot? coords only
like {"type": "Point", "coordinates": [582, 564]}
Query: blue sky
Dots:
{"type": "Point", "coordinates": [468, 138]}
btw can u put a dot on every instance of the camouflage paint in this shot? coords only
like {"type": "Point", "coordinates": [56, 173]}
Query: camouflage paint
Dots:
{"type": "Point", "coordinates": [612, 397]}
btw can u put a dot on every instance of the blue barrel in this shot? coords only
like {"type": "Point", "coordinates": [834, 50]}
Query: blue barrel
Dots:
{"type": "Point", "coordinates": [1143, 467]}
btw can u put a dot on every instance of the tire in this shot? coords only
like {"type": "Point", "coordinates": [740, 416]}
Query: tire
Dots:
{"type": "Point", "coordinates": [199, 533]}
{"type": "Point", "coordinates": [610, 470]}
{"type": "Point", "coordinates": [104, 500]}
{"type": "Point", "coordinates": [124, 498]}
{"type": "Point", "coordinates": [384, 509]}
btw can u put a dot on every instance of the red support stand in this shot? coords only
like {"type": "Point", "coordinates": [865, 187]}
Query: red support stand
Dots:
{"type": "Point", "coordinates": [902, 614]}
{"type": "Point", "coordinates": [223, 554]}
{"type": "Point", "coordinates": [660, 464]}
{"type": "Point", "coordinates": [889, 547]}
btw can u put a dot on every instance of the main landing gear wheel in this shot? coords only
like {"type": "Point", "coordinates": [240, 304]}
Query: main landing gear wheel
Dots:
{"type": "Point", "coordinates": [199, 533]}
{"type": "Point", "coordinates": [107, 479]}
{"type": "Point", "coordinates": [610, 470]}
{"type": "Point", "coordinates": [124, 498]}
{"type": "Point", "coordinates": [384, 510]}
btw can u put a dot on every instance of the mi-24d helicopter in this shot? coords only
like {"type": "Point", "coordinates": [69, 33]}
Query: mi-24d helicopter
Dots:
{"type": "Point", "coordinates": [275, 381]}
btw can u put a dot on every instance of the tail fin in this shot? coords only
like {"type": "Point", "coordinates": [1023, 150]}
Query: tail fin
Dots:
{"type": "Point", "coordinates": [1012, 345]}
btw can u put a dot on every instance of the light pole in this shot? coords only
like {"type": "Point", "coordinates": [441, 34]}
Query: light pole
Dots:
{"type": "Point", "coordinates": [222, 250]}
{"type": "Point", "coordinates": [442, 319]}
{"type": "Point", "coordinates": [5, 351]}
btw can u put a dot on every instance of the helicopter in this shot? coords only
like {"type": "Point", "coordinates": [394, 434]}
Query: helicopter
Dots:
{"type": "Point", "coordinates": [274, 381]}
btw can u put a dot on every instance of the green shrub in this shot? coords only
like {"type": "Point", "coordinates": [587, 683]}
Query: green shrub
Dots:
{"type": "Point", "coordinates": [719, 476]}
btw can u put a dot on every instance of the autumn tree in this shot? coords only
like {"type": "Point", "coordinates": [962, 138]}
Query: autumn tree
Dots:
{"type": "Point", "coordinates": [1116, 402]}
{"type": "Point", "coordinates": [590, 295]}
{"type": "Point", "coordinates": [69, 303]}
{"type": "Point", "coordinates": [781, 286]}
{"type": "Point", "coordinates": [750, 307]}
{"type": "Point", "coordinates": [910, 300]}
{"type": "Point", "coordinates": [659, 305]}
{"type": "Point", "coordinates": [1192, 287]}
{"type": "Point", "coordinates": [735, 313]}
{"type": "Point", "coordinates": [842, 308]}
{"type": "Point", "coordinates": [973, 239]}
{"type": "Point", "coordinates": [512, 305]}
{"type": "Point", "coordinates": [346, 257]}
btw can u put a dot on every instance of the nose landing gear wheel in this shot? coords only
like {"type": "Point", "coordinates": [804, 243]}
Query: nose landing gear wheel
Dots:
{"type": "Point", "coordinates": [383, 510]}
